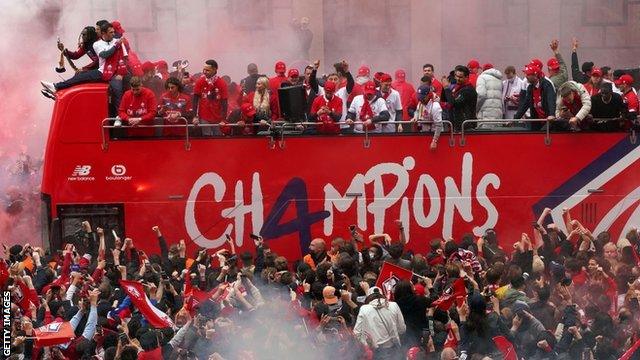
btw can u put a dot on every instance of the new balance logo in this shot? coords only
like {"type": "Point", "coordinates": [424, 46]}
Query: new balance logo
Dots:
{"type": "Point", "coordinates": [81, 170]}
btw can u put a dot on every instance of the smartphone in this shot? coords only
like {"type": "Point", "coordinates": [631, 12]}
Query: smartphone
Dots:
{"type": "Point", "coordinates": [254, 237]}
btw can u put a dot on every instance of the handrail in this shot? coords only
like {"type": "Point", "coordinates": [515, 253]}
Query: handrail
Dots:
{"type": "Point", "coordinates": [105, 144]}
{"type": "Point", "coordinates": [547, 138]}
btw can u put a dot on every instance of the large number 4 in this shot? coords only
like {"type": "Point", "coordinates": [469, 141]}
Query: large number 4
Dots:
{"type": "Point", "coordinates": [294, 191]}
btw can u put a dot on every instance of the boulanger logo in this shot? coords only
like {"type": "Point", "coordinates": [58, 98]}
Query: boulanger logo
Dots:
{"type": "Point", "coordinates": [118, 170]}
{"type": "Point", "coordinates": [81, 173]}
{"type": "Point", "coordinates": [118, 173]}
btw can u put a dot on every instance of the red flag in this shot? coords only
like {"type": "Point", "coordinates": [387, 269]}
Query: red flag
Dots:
{"type": "Point", "coordinates": [194, 297]}
{"type": "Point", "coordinates": [633, 350]}
{"type": "Point", "coordinates": [389, 276]}
{"type": "Point", "coordinates": [452, 340]}
{"type": "Point", "coordinates": [139, 298]}
{"type": "Point", "coordinates": [455, 291]}
{"type": "Point", "coordinates": [54, 333]}
{"type": "Point", "coordinates": [505, 347]}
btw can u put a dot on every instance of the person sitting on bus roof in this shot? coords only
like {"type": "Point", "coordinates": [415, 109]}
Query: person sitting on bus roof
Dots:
{"type": "Point", "coordinates": [210, 99]}
{"type": "Point", "coordinates": [174, 104]}
{"type": "Point", "coordinates": [138, 107]}
{"type": "Point", "coordinates": [88, 36]}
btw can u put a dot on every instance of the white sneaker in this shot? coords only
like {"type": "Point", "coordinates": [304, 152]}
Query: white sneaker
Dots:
{"type": "Point", "coordinates": [48, 86]}
{"type": "Point", "coordinates": [117, 123]}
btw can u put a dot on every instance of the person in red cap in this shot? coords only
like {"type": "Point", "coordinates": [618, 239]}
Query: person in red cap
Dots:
{"type": "Point", "coordinates": [276, 81]}
{"type": "Point", "coordinates": [342, 75]}
{"type": "Point", "coordinates": [174, 104]}
{"type": "Point", "coordinates": [573, 104]}
{"type": "Point", "coordinates": [150, 80]}
{"type": "Point", "coordinates": [462, 98]}
{"type": "Point", "coordinates": [593, 85]}
{"type": "Point", "coordinates": [474, 69]}
{"type": "Point", "coordinates": [394, 104]}
{"type": "Point", "coordinates": [363, 77]}
{"type": "Point", "coordinates": [243, 118]}
{"type": "Point", "coordinates": [138, 107]}
{"type": "Point", "coordinates": [210, 98]}
{"type": "Point", "coordinates": [368, 108]}
{"type": "Point", "coordinates": [163, 69]}
{"type": "Point", "coordinates": [327, 110]}
{"type": "Point", "coordinates": [539, 99]}
{"type": "Point", "coordinates": [406, 90]}
{"type": "Point", "coordinates": [624, 83]}
{"type": "Point", "coordinates": [293, 78]}
{"type": "Point", "coordinates": [556, 66]}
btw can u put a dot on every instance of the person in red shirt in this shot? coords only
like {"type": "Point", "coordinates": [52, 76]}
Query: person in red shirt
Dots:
{"type": "Point", "coordinates": [593, 85]}
{"type": "Point", "coordinates": [210, 99]}
{"type": "Point", "coordinates": [276, 81]}
{"type": "Point", "coordinates": [327, 110]}
{"type": "Point", "coordinates": [474, 69]}
{"type": "Point", "coordinates": [138, 107]}
{"type": "Point", "coordinates": [174, 105]}
{"type": "Point", "coordinates": [624, 83]}
{"type": "Point", "coordinates": [406, 90]}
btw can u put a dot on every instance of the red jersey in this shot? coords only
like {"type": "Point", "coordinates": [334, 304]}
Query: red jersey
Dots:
{"type": "Point", "coordinates": [274, 83]}
{"type": "Point", "coordinates": [537, 102]}
{"type": "Point", "coordinates": [212, 92]}
{"type": "Point", "coordinates": [273, 104]}
{"type": "Point", "coordinates": [143, 106]}
{"type": "Point", "coordinates": [407, 91]}
{"type": "Point", "coordinates": [327, 125]}
{"type": "Point", "coordinates": [631, 99]}
{"type": "Point", "coordinates": [592, 90]}
{"type": "Point", "coordinates": [179, 104]}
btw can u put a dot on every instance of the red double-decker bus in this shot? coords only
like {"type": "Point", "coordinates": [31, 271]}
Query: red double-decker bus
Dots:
{"type": "Point", "coordinates": [202, 189]}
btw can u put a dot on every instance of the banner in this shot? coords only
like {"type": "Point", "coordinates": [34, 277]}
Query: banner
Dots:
{"type": "Point", "coordinates": [457, 291]}
{"type": "Point", "coordinates": [390, 275]}
{"type": "Point", "coordinates": [139, 298]}
{"type": "Point", "coordinates": [54, 333]}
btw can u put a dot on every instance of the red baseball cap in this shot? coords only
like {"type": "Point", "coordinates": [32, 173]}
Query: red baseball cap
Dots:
{"type": "Point", "coordinates": [401, 74]}
{"type": "Point", "coordinates": [596, 71]}
{"type": "Point", "coordinates": [530, 70]}
{"type": "Point", "coordinates": [330, 86]}
{"type": "Point", "coordinates": [148, 66]}
{"type": "Point", "coordinates": [537, 63]}
{"type": "Point", "coordinates": [293, 73]}
{"type": "Point", "coordinates": [247, 110]}
{"type": "Point", "coordinates": [281, 68]}
{"type": "Point", "coordinates": [385, 78]}
{"type": "Point", "coordinates": [364, 71]}
{"type": "Point", "coordinates": [487, 66]}
{"type": "Point", "coordinates": [161, 64]}
{"type": "Point", "coordinates": [370, 88]}
{"type": "Point", "coordinates": [624, 79]}
{"type": "Point", "coordinates": [553, 64]}
{"type": "Point", "coordinates": [473, 64]}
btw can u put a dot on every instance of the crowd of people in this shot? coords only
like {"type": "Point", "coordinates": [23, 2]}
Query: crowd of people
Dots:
{"type": "Point", "coordinates": [597, 98]}
{"type": "Point", "coordinates": [553, 295]}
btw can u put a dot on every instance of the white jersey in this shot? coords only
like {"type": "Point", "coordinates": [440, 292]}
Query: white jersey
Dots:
{"type": "Point", "coordinates": [394, 105]}
{"type": "Point", "coordinates": [378, 105]}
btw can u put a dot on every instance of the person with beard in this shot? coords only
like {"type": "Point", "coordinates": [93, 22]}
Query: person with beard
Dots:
{"type": "Point", "coordinates": [327, 110]}
{"type": "Point", "coordinates": [607, 105]}
{"type": "Point", "coordinates": [317, 254]}
{"type": "Point", "coordinates": [462, 98]}
{"type": "Point", "coordinates": [210, 99]}
{"type": "Point", "coordinates": [368, 108]}
{"type": "Point", "coordinates": [428, 109]}
{"type": "Point", "coordinates": [539, 98]}
{"type": "Point", "coordinates": [394, 104]}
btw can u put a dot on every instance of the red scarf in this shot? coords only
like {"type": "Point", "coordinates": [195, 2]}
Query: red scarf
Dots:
{"type": "Point", "coordinates": [119, 64]}
{"type": "Point", "coordinates": [365, 112]}
{"type": "Point", "coordinates": [459, 87]}
{"type": "Point", "coordinates": [574, 106]}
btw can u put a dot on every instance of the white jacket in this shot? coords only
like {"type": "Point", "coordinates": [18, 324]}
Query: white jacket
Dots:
{"type": "Point", "coordinates": [370, 323]}
{"type": "Point", "coordinates": [585, 99]}
{"type": "Point", "coordinates": [489, 89]}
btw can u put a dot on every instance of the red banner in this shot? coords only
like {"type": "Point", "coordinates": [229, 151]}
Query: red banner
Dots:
{"type": "Point", "coordinates": [139, 298]}
{"type": "Point", "coordinates": [390, 275]}
{"type": "Point", "coordinates": [54, 333]}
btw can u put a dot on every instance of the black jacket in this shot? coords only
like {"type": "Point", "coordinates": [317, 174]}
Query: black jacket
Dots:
{"type": "Point", "coordinates": [576, 74]}
{"type": "Point", "coordinates": [548, 102]}
{"type": "Point", "coordinates": [463, 105]}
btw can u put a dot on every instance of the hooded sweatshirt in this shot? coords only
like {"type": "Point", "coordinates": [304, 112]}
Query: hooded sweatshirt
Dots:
{"type": "Point", "coordinates": [382, 321]}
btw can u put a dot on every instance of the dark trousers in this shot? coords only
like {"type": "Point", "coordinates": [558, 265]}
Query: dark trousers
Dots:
{"type": "Point", "coordinates": [80, 78]}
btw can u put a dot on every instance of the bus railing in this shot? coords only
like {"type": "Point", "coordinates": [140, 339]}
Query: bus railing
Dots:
{"type": "Point", "coordinates": [281, 127]}
{"type": "Point", "coordinates": [107, 121]}
{"type": "Point", "coordinates": [547, 131]}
